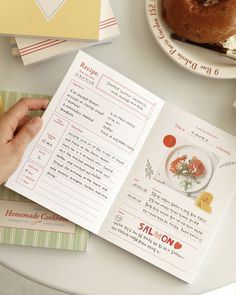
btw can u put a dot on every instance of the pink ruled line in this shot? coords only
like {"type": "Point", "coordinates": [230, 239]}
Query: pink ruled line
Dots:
{"type": "Point", "coordinates": [52, 42]}
{"type": "Point", "coordinates": [36, 44]}
{"type": "Point", "coordinates": [94, 179]}
{"type": "Point", "coordinates": [45, 128]}
{"type": "Point", "coordinates": [104, 164]}
{"type": "Point", "coordinates": [108, 25]}
{"type": "Point", "coordinates": [76, 83]}
{"type": "Point", "coordinates": [87, 168]}
{"type": "Point", "coordinates": [57, 195]}
{"type": "Point", "coordinates": [141, 205]}
{"type": "Point", "coordinates": [150, 253]}
{"type": "Point", "coordinates": [102, 148]}
{"type": "Point", "coordinates": [138, 217]}
{"type": "Point", "coordinates": [62, 206]}
{"type": "Point", "coordinates": [107, 20]}
{"type": "Point", "coordinates": [86, 197]}
{"type": "Point", "coordinates": [77, 184]}
{"type": "Point", "coordinates": [39, 148]}
{"type": "Point", "coordinates": [42, 47]}
{"type": "Point", "coordinates": [150, 107]}
{"type": "Point", "coordinates": [36, 181]}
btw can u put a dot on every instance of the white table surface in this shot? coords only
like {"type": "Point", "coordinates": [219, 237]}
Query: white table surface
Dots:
{"type": "Point", "coordinates": [104, 268]}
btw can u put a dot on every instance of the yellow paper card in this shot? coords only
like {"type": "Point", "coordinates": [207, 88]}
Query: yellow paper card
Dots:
{"type": "Point", "coordinates": [68, 19]}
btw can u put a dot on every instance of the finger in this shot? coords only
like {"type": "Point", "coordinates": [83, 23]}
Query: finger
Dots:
{"type": "Point", "coordinates": [26, 134]}
{"type": "Point", "coordinates": [23, 121]}
{"type": "Point", "coordinates": [1, 104]}
{"type": "Point", "coordinates": [21, 108]}
{"type": "Point", "coordinates": [10, 120]}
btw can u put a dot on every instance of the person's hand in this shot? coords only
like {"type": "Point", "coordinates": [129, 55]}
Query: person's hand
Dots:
{"type": "Point", "coordinates": [17, 129]}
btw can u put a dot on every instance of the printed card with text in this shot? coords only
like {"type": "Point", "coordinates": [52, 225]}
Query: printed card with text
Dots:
{"type": "Point", "coordinates": [120, 162]}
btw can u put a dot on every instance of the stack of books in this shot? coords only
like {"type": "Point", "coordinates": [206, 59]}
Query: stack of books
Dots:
{"type": "Point", "coordinates": [25, 223]}
{"type": "Point", "coordinates": [49, 29]}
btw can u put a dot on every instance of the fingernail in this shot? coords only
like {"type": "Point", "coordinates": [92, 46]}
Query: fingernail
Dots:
{"type": "Point", "coordinates": [47, 102]}
{"type": "Point", "coordinates": [35, 124]}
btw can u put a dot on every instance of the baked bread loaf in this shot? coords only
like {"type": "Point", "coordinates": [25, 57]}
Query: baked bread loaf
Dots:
{"type": "Point", "coordinates": [192, 20]}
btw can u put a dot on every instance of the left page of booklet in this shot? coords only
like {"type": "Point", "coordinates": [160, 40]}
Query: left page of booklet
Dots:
{"type": "Point", "coordinates": [92, 131]}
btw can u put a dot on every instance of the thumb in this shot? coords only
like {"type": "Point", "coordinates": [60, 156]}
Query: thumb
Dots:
{"type": "Point", "coordinates": [26, 134]}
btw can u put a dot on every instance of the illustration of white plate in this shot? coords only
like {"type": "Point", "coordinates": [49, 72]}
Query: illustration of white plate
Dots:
{"type": "Point", "coordinates": [193, 58]}
{"type": "Point", "coordinates": [189, 184]}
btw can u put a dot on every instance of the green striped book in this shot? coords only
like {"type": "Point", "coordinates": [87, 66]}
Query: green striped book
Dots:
{"type": "Point", "coordinates": [23, 222]}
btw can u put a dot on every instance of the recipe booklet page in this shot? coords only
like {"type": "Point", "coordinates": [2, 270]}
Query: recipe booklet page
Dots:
{"type": "Point", "coordinates": [119, 161]}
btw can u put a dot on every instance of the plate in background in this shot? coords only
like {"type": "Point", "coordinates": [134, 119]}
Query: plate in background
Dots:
{"type": "Point", "coordinates": [195, 59]}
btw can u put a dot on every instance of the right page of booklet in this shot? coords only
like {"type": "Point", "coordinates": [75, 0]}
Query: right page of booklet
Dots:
{"type": "Point", "coordinates": [176, 194]}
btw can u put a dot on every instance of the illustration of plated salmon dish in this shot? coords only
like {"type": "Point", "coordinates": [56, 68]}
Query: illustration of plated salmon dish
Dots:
{"type": "Point", "coordinates": [188, 170]}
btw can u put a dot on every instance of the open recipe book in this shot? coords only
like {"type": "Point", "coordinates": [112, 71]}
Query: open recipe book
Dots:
{"type": "Point", "coordinates": [120, 162]}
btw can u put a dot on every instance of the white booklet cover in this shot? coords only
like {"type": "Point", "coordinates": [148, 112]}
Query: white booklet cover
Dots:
{"type": "Point", "coordinates": [34, 50]}
{"type": "Point", "coordinates": [120, 162]}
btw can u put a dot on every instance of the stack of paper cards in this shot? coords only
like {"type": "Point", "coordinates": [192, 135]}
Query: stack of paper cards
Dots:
{"type": "Point", "coordinates": [33, 50]}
